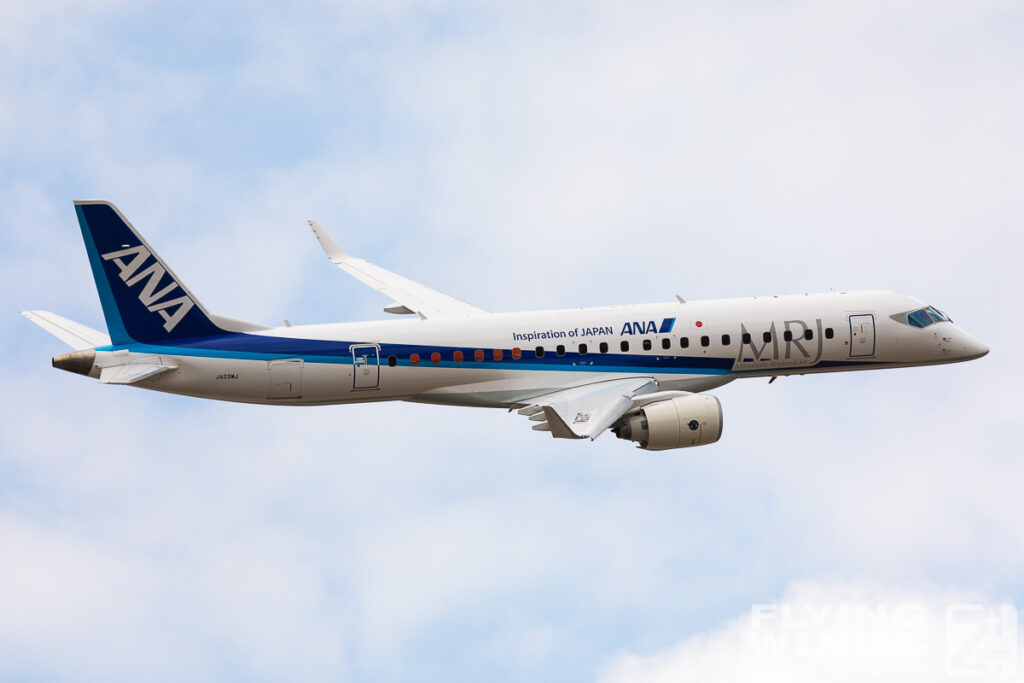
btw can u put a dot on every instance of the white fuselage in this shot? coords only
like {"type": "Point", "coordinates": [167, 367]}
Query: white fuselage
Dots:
{"type": "Point", "coordinates": [394, 360]}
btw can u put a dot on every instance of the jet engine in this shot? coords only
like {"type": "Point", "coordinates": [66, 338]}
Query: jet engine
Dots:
{"type": "Point", "coordinates": [694, 420]}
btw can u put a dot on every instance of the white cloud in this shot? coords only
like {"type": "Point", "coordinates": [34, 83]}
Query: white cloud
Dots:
{"type": "Point", "coordinates": [519, 158]}
{"type": "Point", "coordinates": [845, 632]}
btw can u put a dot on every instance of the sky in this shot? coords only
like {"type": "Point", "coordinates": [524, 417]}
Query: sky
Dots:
{"type": "Point", "coordinates": [519, 156]}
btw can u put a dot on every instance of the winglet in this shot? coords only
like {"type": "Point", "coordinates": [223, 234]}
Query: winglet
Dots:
{"type": "Point", "coordinates": [327, 243]}
{"type": "Point", "coordinates": [408, 296]}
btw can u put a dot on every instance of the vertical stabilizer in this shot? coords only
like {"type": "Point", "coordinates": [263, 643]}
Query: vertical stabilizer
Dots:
{"type": "Point", "coordinates": [142, 298]}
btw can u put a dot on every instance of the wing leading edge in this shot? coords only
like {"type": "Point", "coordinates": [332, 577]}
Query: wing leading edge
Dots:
{"type": "Point", "coordinates": [409, 296]}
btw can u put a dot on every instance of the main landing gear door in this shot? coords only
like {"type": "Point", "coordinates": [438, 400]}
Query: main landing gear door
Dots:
{"type": "Point", "coordinates": [862, 335]}
{"type": "Point", "coordinates": [365, 366]}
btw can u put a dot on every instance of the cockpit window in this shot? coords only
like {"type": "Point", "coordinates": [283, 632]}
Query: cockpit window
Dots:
{"type": "Point", "coordinates": [919, 319]}
{"type": "Point", "coordinates": [926, 316]}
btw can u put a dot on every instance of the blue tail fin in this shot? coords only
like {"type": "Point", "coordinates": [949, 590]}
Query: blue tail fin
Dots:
{"type": "Point", "coordinates": [142, 299]}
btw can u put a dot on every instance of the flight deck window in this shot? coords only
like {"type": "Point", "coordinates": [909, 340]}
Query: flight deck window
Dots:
{"type": "Point", "coordinates": [829, 333]}
{"type": "Point", "coordinates": [684, 342]}
{"type": "Point", "coordinates": [392, 361]}
{"type": "Point", "coordinates": [937, 315]}
{"type": "Point", "coordinates": [647, 344]}
{"type": "Point", "coordinates": [766, 337]}
{"type": "Point", "coordinates": [787, 336]}
{"type": "Point", "coordinates": [919, 319]}
{"type": "Point", "coordinates": [539, 351]}
{"type": "Point", "coordinates": [457, 356]}
{"type": "Point", "coordinates": [726, 340]}
{"type": "Point", "coordinates": [603, 347]}
{"type": "Point", "coordinates": [746, 337]}
{"type": "Point", "coordinates": [705, 341]}
{"type": "Point", "coordinates": [666, 343]}
{"type": "Point", "coordinates": [624, 346]}
{"type": "Point", "coordinates": [560, 350]}
{"type": "Point", "coordinates": [583, 349]}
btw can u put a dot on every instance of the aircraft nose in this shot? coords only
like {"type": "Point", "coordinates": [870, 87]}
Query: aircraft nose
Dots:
{"type": "Point", "coordinates": [971, 348]}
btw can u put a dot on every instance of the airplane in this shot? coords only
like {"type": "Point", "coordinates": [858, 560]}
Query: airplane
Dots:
{"type": "Point", "coordinates": [638, 370]}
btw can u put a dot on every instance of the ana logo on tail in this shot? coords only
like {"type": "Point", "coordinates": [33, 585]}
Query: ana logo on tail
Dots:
{"type": "Point", "coordinates": [155, 301]}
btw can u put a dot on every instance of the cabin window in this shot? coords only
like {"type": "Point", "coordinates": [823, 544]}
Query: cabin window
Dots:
{"type": "Point", "coordinates": [726, 340]}
{"type": "Point", "coordinates": [705, 341]}
{"type": "Point", "coordinates": [539, 352]}
{"type": "Point", "coordinates": [787, 336]}
{"type": "Point", "coordinates": [517, 353]}
{"type": "Point", "coordinates": [478, 355]}
{"type": "Point", "coordinates": [414, 359]}
{"type": "Point", "coordinates": [666, 343]}
{"type": "Point", "coordinates": [746, 337]}
{"type": "Point", "coordinates": [497, 354]}
{"type": "Point", "coordinates": [392, 361]}
{"type": "Point", "coordinates": [603, 347]}
{"type": "Point", "coordinates": [829, 333]}
{"type": "Point", "coordinates": [767, 337]}
{"type": "Point", "coordinates": [684, 342]}
{"type": "Point", "coordinates": [560, 350]}
{"type": "Point", "coordinates": [624, 346]}
{"type": "Point", "coordinates": [808, 334]}
{"type": "Point", "coordinates": [457, 356]}
{"type": "Point", "coordinates": [435, 358]}
{"type": "Point", "coordinates": [647, 344]}
{"type": "Point", "coordinates": [583, 349]}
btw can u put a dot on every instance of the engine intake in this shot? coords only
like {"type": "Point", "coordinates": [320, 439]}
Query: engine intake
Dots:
{"type": "Point", "coordinates": [674, 423]}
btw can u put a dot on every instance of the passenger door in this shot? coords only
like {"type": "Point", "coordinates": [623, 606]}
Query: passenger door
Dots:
{"type": "Point", "coordinates": [365, 366]}
{"type": "Point", "coordinates": [862, 335]}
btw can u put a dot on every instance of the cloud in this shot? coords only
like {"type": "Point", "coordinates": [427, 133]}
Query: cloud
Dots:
{"type": "Point", "coordinates": [845, 632]}
{"type": "Point", "coordinates": [518, 157]}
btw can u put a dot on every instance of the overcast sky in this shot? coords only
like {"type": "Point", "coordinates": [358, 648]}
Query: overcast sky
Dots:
{"type": "Point", "coordinates": [517, 156]}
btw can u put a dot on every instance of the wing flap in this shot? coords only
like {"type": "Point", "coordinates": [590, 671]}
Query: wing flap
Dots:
{"type": "Point", "coordinates": [77, 336]}
{"type": "Point", "coordinates": [409, 296]}
{"type": "Point", "coordinates": [584, 412]}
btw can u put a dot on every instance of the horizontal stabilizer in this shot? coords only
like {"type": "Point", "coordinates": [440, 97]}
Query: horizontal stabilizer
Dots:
{"type": "Point", "coordinates": [129, 373]}
{"type": "Point", "coordinates": [75, 335]}
{"type": "Point", "coordinates": [409, 296]}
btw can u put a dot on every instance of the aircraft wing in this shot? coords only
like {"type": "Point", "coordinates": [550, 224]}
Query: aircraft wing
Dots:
{"type": "Point", "coordinates": [586, 411]}
{"type": "Point", "coordinates": [409, 296]}
{"type": "Point", "coordinates": [75, 335]}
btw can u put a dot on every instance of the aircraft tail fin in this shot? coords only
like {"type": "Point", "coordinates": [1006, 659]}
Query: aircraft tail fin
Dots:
{"type": "Point", "coordinates": [143, 300]}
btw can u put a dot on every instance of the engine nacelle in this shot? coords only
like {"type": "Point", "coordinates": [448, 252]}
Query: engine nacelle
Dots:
{"type": "Point", "coordinates": [674, 423]}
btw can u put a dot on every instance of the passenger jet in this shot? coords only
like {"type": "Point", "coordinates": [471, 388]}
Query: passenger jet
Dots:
{"type": "Point", "coordinates": [637, 370]}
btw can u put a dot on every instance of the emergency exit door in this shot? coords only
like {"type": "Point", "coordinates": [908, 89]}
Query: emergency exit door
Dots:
{"type": "Point", "coordinates": [862, 335]}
